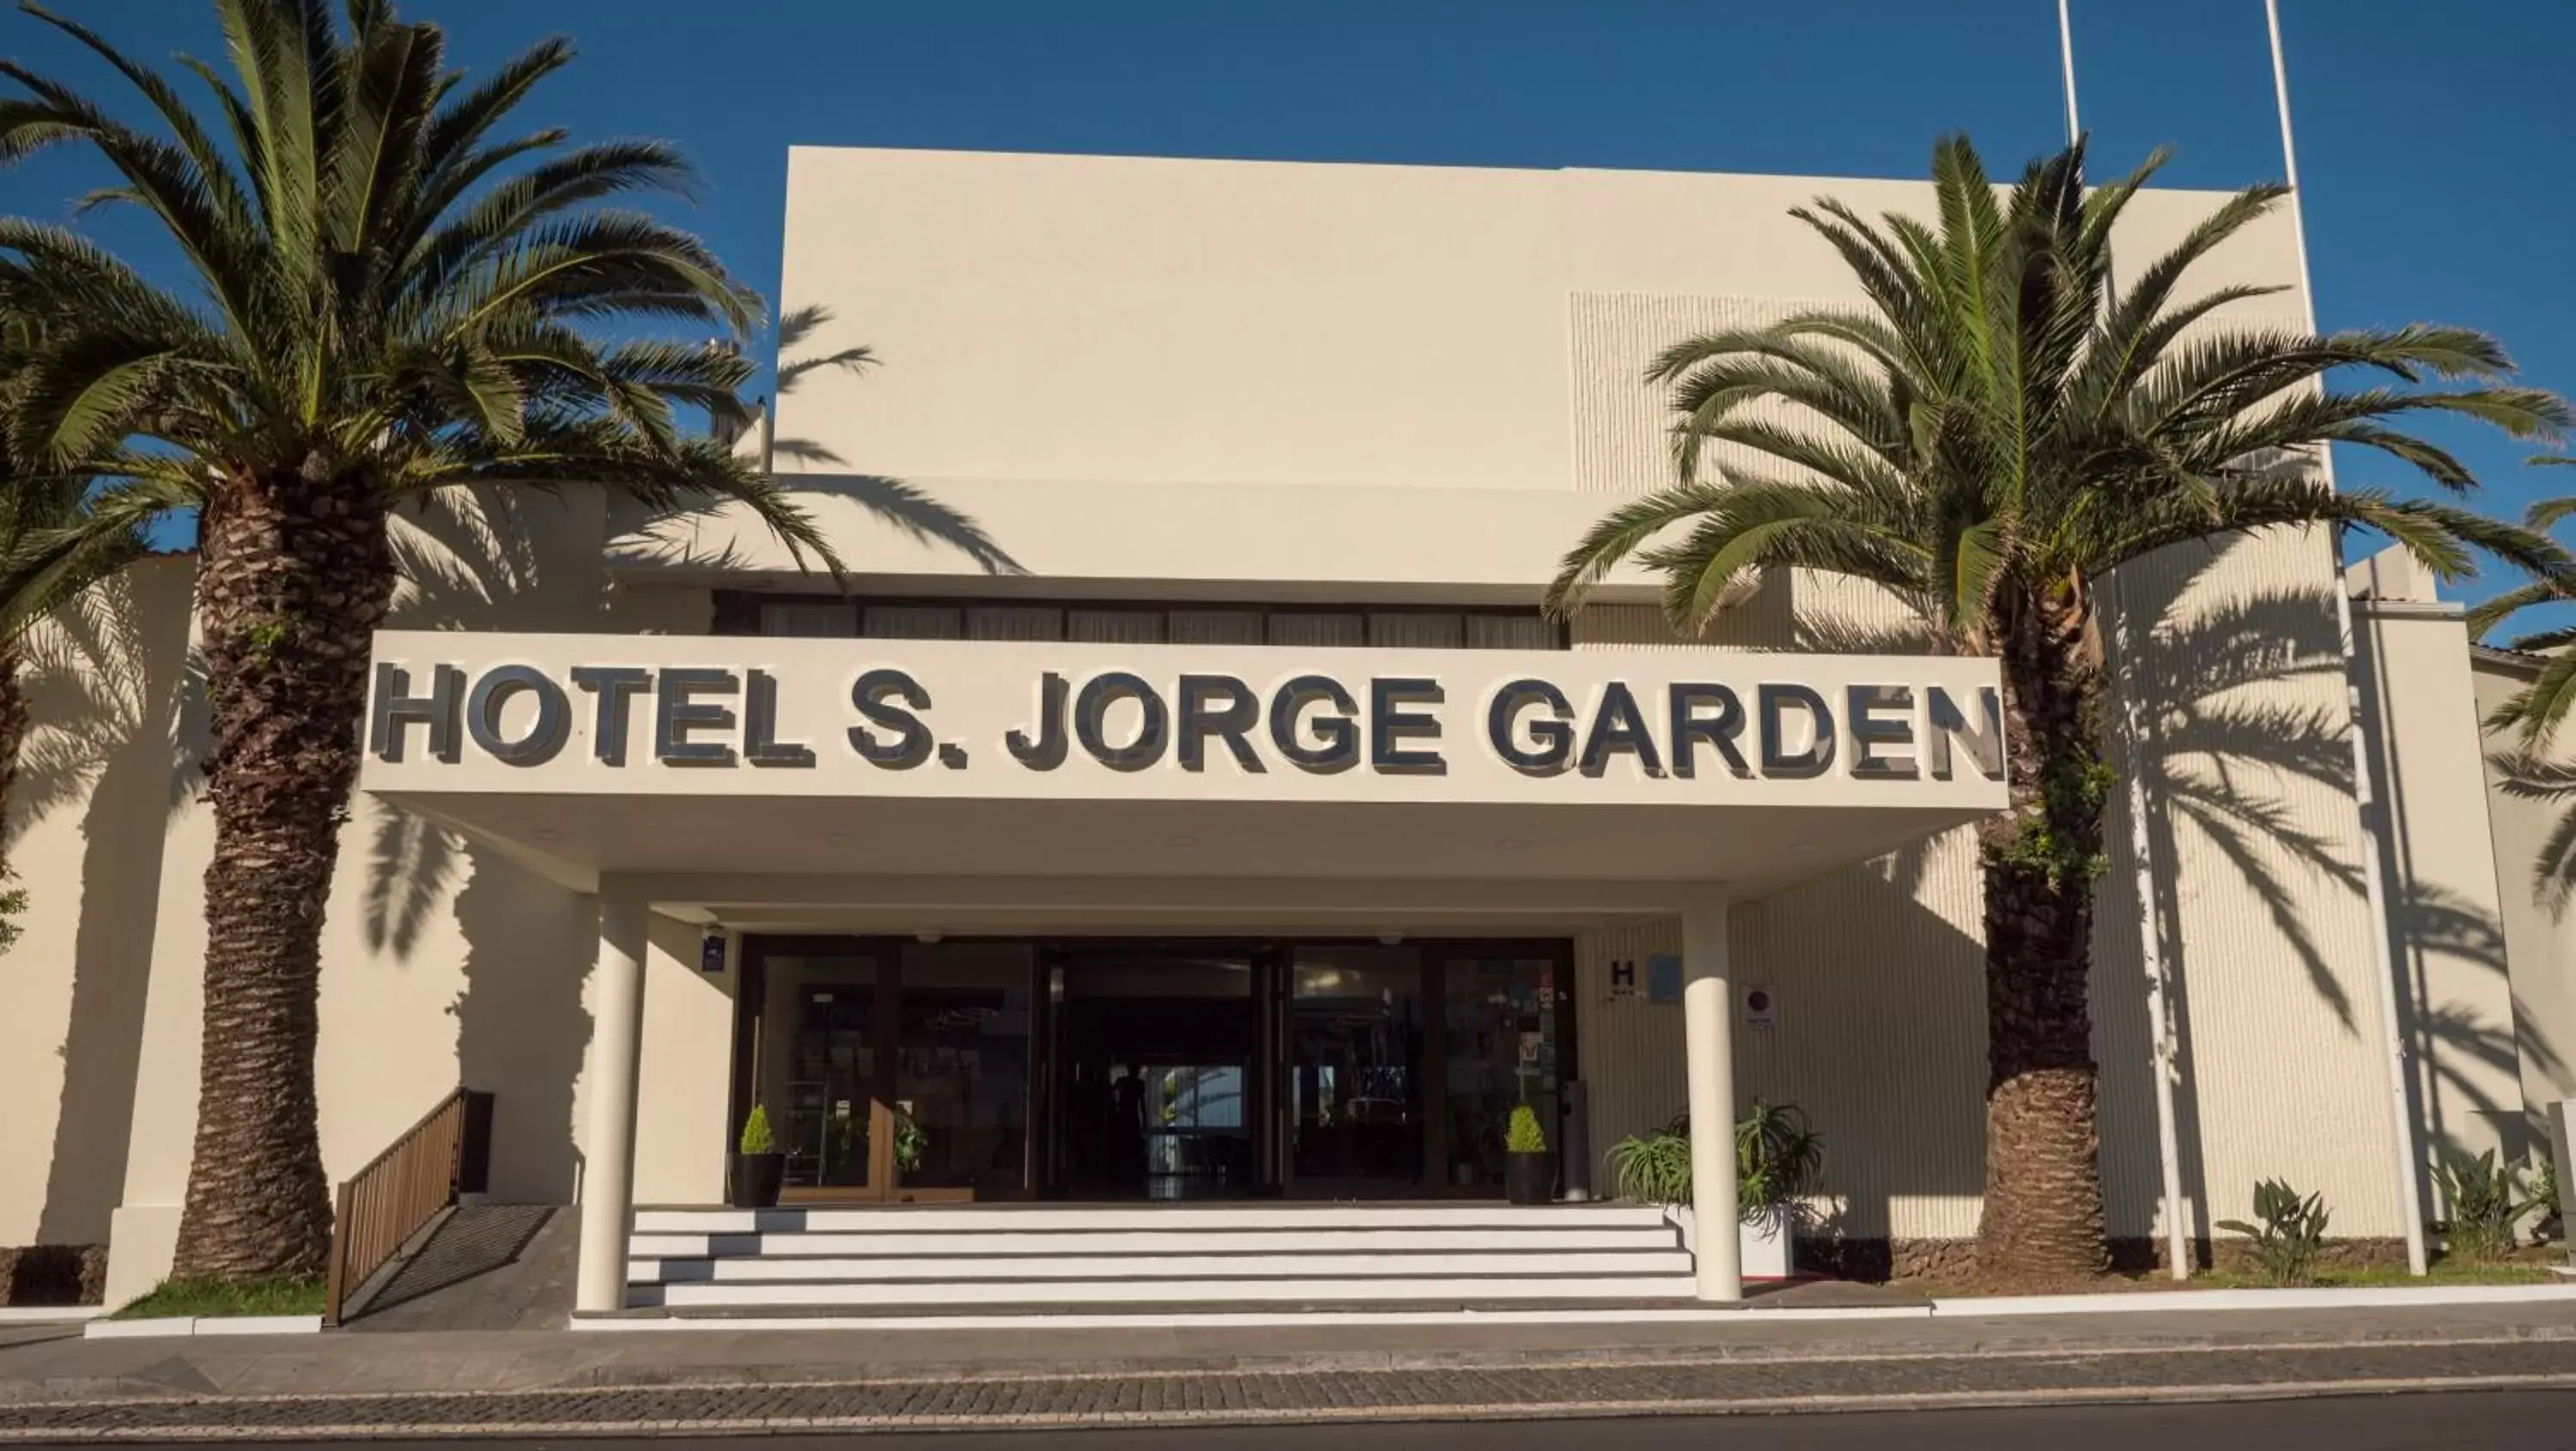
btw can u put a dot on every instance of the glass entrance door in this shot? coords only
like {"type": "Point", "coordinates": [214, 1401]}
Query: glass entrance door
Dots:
{"type": "Point", "coordinates": [1001, 1068]}
{"type": "Point", "coordinates": [1355, 1069]}
{"type": "Point", "coordinates": [820, 1044]}
{"type": "Point", "coordinates": [1504, 1042]}
{"type": "Point", "coordinates": [1155, 1052]}
{"type": "Point", "coordinates": [892, 1072]}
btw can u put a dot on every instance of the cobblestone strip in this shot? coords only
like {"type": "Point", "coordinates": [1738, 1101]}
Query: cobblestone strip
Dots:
{"type": "Point", "coordinates": [1661, 1387]}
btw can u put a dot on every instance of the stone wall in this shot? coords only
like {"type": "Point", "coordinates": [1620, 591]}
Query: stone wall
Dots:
{"type": "Point", "coordinates": [53, 1274]}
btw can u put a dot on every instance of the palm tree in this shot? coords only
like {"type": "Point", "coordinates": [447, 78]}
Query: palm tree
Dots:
{"type": "Point", "coordinates": [389, 299]}
{"type": "Point", "coordinates": [1986, 440]}
{"type": "Point", "coordinates": [2536, 710]}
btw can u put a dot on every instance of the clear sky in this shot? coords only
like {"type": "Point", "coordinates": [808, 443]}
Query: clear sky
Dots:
{"type": "Point", "coordinates": [2434, 138]}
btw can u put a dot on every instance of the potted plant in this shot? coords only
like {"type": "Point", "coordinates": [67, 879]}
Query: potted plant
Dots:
{"type": "Point", "coordinates": [1529, 1170]}
{"type": "Point", "coordinates": [758, 1167]}
{"type": "Point", "coordinates": [910, 1138]}
{"type": "Point", "coordinates": [1778, 1160]}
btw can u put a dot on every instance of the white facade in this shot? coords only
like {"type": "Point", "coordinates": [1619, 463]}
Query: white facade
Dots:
{"type": "Point", "coordinates": [1353, 394]}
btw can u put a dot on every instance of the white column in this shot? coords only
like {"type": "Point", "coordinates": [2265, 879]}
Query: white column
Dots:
{"type": "Point", "coordinates": [608, 1147]}
{"type": "Point", "coordinates": [1708, 1013]}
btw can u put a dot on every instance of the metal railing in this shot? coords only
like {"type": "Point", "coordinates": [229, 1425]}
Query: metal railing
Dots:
{"type": "Point", "coordinates": [384, 1204]}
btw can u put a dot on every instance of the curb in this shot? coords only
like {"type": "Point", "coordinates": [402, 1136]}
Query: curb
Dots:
{"type": "Point", "coordinates": [2184, 1302]}
{"type": "Point", "coordinates": [49, 1314]}
{"type": "Point", "coordinates": [176, 1326]}
{"type": "Point", "coordinates": [2224, 1301]}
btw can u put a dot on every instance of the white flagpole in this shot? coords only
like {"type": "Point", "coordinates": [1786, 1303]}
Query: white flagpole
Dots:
{"type": "Point", "coordinates": [2365, 791]}
{"type": "Point", "coordinates": [2161, 1055]}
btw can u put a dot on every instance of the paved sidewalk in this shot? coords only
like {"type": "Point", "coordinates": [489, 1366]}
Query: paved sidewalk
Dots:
{"type": "Point", "coordinates": [550, 1382]}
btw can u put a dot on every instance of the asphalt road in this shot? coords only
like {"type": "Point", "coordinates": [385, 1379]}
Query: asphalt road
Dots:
{"type": "Point", "coordinates": [2460, 1421]}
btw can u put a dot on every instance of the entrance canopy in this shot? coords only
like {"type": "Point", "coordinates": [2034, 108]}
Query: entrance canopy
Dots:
{"type": "Point", "coordinates": [1049, 780]}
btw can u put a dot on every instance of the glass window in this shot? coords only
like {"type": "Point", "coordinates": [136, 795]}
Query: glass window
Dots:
{"type": "Point", "coordinates": [818, 619]}
{"type": "Point", "coordinates": [1217, 627]}
{"type": "Point", "coordinates": [915, 622]}
{"type": "Point", "coordinates": [1014, 622]}
{"type": "Point", "coordinates": [1318, 628]}
{"type": "Point", "coordinates": [1416, 629]}
{"type": "Point", "coordinates": [1114, 626]}
{"type": "Point", "coordinates": [1500, 1018]}
{"type": "Point", "coordinates": [1511, 632]}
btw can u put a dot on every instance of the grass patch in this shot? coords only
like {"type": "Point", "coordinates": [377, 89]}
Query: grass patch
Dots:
{"type": "Point", "coordinates": [2440, 1272]}
{"type": "Point", "coordinates": [210, 1299]}
{"type": "Point", "coordinates": [2530, 1268]}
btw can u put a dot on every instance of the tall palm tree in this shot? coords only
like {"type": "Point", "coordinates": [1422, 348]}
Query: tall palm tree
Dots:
{"type": "Point", "coordinates": [388, 298]}
{"type": "Point", "coordinates": [1987, 439]}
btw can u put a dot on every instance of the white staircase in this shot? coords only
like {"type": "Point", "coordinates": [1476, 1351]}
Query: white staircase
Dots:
{"type": "Point", "coordinates": [1047, 1259]}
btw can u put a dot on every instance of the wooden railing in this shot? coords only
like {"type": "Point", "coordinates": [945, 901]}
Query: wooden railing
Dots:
{"type": "Point", "coordinates": [387, 1202]}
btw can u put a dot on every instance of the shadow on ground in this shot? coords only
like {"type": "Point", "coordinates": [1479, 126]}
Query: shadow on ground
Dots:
{"type": "Point", "coordinates": [488, 1267]}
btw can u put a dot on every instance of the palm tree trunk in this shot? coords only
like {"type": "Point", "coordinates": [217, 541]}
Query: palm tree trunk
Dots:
{"type": "Point", "coordinates": [2043, 1202]}
{"type": "Point", "coordinates": [295, 573]}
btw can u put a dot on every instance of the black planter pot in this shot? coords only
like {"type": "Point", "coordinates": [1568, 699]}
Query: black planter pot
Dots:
{"type": "Point", "coordinates": [754, 1182]}
{"type": "Point", "coordinates": [1529, 1178]}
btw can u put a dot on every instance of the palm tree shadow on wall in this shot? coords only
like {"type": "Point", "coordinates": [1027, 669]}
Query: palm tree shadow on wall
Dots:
{"type": "Point", "coordinates": [2224, 762]}
{"type": "Point", "coordinates": [521, 1028]}
{"type": "Point", "coordinates": [682, 537]}
{"type": "Point", "coordinates": [2224, 759]}
{"type": "Point", "coordinates": [109, 679]}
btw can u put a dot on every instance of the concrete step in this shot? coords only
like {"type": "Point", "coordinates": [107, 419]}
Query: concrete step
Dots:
{"type": "Point", "coordinates": [1000, 1218]}
{"type": "Point", "coordinates": [1669, 1261]}
{"type": "Point", "coordinates": [1019, 1294]}
{"type": "Point", "coordinates": [1108, 1241]}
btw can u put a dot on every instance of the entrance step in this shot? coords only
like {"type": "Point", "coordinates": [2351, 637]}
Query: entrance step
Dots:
{"type": "Point", "coordinates": [735, 1262]}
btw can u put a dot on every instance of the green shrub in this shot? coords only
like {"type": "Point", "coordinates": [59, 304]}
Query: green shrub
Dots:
{"type": "Point", "coordinates": [910, 1138]}
{"type": "Point", "coordinates": [1523, 1135]}
{"type": "Point", "coordinates": [2485, 1205]}
{"type": "Point", "coordinates": [1777, 1158]}
{"type": "Point", "coordinates": [2544, 1187]}
{"type": "Point", "coordinates": [756, 1138]}
{"type": "Point", "coordinates": [2292, 1232]}
{"type": "Point", "coordinates": [1778, 1162]}
{"type": "Point", "coordinates": [1652, 1168]}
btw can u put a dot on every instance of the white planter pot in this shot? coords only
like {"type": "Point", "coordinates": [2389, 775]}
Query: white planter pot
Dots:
{"type": "Point", "coordinates": [1763, 1247]}
{"type": "Point", "coordinates": [1766, 1245]}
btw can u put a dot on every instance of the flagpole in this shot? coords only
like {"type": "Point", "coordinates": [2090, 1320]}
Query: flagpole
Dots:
{"type": "Point", "coordinates": [2365, 792]}
{"type": "Point", "coordinates": [2161, 1054]}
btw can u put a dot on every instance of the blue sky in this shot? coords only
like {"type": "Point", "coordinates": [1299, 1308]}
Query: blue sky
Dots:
{"type": "Point", "coordinates": [2433, 138]}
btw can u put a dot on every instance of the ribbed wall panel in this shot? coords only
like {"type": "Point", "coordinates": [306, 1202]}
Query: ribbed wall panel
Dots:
{"type": "Point", "coordinates": [2260, 912]}
{"type": "Point", "coordinates": [1622, 423]}
{"type": "Point", "coordinates": [1877, 974]}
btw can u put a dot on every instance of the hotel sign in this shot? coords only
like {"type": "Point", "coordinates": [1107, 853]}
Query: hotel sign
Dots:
{"type": "Point", "coordinates": [873, 716]}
